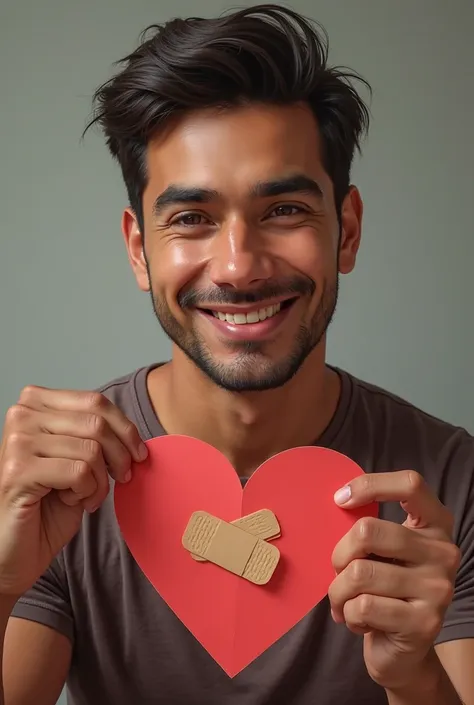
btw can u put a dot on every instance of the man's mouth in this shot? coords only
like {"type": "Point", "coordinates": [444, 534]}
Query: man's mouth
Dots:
{"type": "Point", "coordinates": [250, 314]}
{"type": "Point", "coordinates": [251, 317]}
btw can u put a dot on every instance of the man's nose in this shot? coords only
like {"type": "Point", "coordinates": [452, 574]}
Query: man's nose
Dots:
{"type": "Point", "coordinates": [239, 257]}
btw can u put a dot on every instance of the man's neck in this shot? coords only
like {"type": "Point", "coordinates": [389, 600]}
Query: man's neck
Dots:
{"type": "Point", "coordinates": [247, 428]}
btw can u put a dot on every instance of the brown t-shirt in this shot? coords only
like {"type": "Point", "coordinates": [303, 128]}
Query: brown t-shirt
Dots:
{"type": "Point", "coordinates": [130, 649]}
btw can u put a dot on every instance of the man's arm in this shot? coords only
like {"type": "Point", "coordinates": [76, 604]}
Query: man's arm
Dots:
{"type": "Point", "coordinates": [36, 662]}
{"type": "Point", "coordinates": [432, 685]}
{"type": "Point", "coordinates": [5, 611]}
{"type": "Point", "coordinates": [457, 658]}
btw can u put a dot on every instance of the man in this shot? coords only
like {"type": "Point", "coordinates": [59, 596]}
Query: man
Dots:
{"type": "Point", "coordinates": [235, 140]}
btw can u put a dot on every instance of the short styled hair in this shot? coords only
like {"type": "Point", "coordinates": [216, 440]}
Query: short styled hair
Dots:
{"type": "Point", "coordinates": [262, 54]}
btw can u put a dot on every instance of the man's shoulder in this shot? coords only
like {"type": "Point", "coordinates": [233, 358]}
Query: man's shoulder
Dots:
{"type": "Point", "coordinates": [384, 431]}
{"type": "Point", "coordinates": [128, 389]}
{"type": "Point", "coordinates": [121, 392]}
{"type": "Point", "coordinates": [129, 393]}
{"type": "Point", "coordinates": [116, 386]}
{"type": "Point", "coordinates": [401, 414]}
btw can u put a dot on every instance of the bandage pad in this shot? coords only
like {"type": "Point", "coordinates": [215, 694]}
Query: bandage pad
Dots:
{"type": "Point", "coordinates": [230, 547]}
{"type": "Point", "coordinates": [262, 524]}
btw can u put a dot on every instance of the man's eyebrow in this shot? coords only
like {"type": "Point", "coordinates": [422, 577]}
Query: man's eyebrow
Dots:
{"type": "Point", "coordinates": [296, 183]}
{"type": "Point", "coordinates": [175, 194]}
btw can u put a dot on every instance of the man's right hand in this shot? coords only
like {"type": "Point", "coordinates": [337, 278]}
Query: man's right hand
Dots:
{"type": "Point", "coordinates": [57, 451]}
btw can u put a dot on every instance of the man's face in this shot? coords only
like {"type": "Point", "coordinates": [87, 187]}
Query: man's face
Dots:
{"type": "Point", "coordinates": [241, 242]}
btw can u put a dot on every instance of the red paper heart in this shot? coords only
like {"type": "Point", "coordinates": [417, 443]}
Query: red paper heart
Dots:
{"type": "Point", "coordinates": [233, 619]}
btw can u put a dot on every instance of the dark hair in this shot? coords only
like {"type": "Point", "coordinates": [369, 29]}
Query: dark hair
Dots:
{"type": "Point", "coordinates": [265, 53]}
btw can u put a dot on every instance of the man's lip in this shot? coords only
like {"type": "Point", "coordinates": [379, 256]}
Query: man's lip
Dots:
{"type": "Point", "coordinates": [262, 331]}
{"type": "Point", "coordinates": [245, 308]}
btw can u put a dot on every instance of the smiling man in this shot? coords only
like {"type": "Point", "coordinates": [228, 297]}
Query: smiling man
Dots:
{"type": "Point", "coordinates": [281, 314]}
{"type": "Point", "coordinates": [236, 139]}
{"type": "Point", "coordinates": [247, 309]}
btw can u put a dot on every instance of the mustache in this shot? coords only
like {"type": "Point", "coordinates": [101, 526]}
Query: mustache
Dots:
{"type": "Point", "coordinates": [293, 286]}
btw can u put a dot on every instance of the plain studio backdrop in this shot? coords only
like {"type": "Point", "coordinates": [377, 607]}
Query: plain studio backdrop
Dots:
{"type": "Point", "coordinates": [70, 312]}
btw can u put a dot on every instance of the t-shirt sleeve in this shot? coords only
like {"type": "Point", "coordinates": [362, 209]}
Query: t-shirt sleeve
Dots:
{"type": "Point", "coordinates": [459, 618]}
{"type": "Point", "coordinates": [48, 602]}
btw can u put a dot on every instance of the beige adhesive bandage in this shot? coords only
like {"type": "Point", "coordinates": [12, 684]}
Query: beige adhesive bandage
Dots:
{"type": "Point", "coordinates": [230, 547]}
{"type": "Point", "coordinates": [262, 524]}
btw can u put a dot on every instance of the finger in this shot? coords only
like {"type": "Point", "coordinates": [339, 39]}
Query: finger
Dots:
{"type": "Point", "coordinates": [52, 446]}
{"type": "Point", "coordinates": [81, 425]}
{"type": "Point", "coordinates": [416, 622]}
{"type": "Point", "coordinates": [94, 403]}
{"type": "Point", "coordinates": [46, 474]}
{"type": "Point", "coordinates": [371, 536]}
{"type": "Point", "coordinates": [374, 578]}
{"type": "Point", "coordinates": [373, 612]}
{"type": "Point", "coordinates": [71, 499]}
{"type": "Point", "coordinates": [407, 487]}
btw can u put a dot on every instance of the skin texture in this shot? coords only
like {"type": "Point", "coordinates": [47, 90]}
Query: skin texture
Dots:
{"type": "Point", "coordinates": [235, 245]}
{"type": "Point", "coordinates": [241, 243]}
{"type": "Point", "coordinates": [58, 449]}
{"type": "Point", "coordinates": [397, 605]}
{"type": "Point", "coordinates": [58, 446]}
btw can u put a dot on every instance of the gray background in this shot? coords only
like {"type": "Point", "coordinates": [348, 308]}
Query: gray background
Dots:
{"type": "Point", "coordinates": [70, 313]}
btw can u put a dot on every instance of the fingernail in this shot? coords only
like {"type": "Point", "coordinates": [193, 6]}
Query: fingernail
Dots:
{"type": "Point", "coordinates": [343, 495]}
{"type": "Point", "coordinates": [142, 451]}
{"type": "Point", "coordinates": [128, 476]}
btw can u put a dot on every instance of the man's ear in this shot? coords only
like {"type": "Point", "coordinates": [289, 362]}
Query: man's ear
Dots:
{"type": "Point", "coordinates": [135, 243]}
{"type": "Point", "coordinates": [351, 230]}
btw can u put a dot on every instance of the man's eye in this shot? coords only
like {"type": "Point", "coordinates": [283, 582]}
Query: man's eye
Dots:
{"type": "Point", "coordinates": [189, 219]}
{"type": "Point", "coordinates": [287, 210]}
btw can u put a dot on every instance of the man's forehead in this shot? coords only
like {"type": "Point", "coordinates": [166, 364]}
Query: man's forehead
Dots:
{"type": "Point", "coordinates": [258, 132]}
{"type": "Point", "coordinates": [216, 156]}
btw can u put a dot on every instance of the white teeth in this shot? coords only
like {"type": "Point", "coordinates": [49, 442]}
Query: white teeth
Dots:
{"type": "Point", "coordinates": [252, 317]}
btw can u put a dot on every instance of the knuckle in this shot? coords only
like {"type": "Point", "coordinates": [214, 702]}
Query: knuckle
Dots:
{"type": "Point", "coordinates": [453, 557]}
{"type": "Point", "coordinates": [11, 471]}
{"type": "Point", "coordinates": [96, 425]}
{"type": "Point", "coordinates": [130, 431]}
{"type": "Point", "coordinates": [431, 623]}
{"type": "Point", "coordinates": [96, 401]}
{"type": "Point", "coordinates": [15, 415]}
{"type": "Point", "coordinates": [80, 470]}
{"type": "Point", "coordinates": [360, 572]}
{"type": "Point", "coordinates": [367, 483]}
{"type": "Point", "coordinates": [365, 607]}
{"type": "Point", "coordinates": [414, 481]}
{"type": "Point", "coordinates": [445, 592]}
{"type": "Point", "coordinates": [366, 531]}
{"type": "Point", "coordinates": [28, 393]}
{"type": "Point", "coordinates": [92, 450]}
{"type": "Point", "coordinates": [426, 621]}
{"type": "Point", "coordinates": [17, 442]}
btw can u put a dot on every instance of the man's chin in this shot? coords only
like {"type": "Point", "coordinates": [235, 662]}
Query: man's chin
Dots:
{"type": "Point", "coordinates": [247, 366]}
{"type": "Point", "coordinates": [251, 372]}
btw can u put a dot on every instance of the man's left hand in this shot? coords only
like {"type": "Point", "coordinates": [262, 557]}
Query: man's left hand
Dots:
{"type": "Point", "coordinates": [394, 582]}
